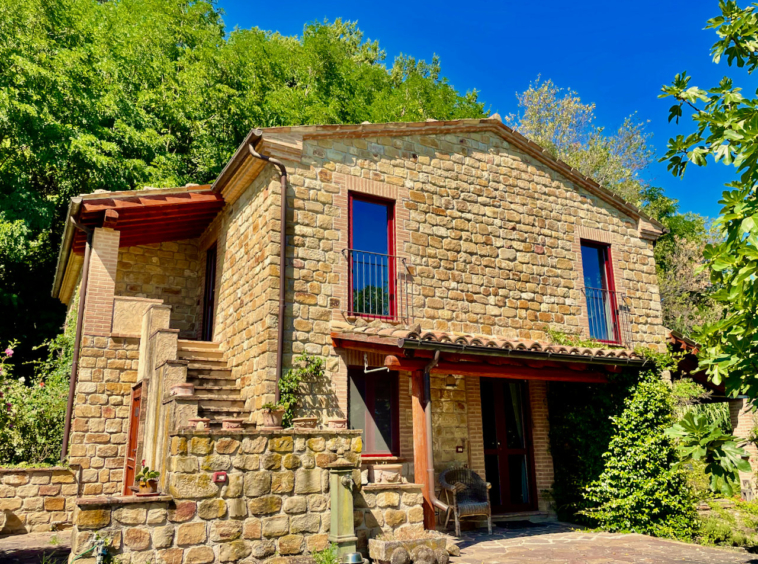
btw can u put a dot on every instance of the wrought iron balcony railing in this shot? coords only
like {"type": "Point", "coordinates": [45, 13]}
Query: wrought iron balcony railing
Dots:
{"type": "Point", "coordinates": [378, 285]}
{"type": "Point", "coordinates": [608, 314]}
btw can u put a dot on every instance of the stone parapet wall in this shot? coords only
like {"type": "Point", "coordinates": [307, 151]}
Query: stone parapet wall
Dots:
{"type": "Point", "coordinates": [387, 507]}
{"type": "Point", "coordinates": [275, 500]}
{"type": "Point", "coordinates": [37, 499]}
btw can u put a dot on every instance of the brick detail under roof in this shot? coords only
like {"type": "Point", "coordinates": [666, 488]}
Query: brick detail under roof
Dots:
{"type": "Point", "coordinates": [101, 285]}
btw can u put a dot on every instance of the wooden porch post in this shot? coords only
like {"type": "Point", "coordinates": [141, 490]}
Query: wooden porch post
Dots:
{"type": "Point", "coordinates": [420, 446]}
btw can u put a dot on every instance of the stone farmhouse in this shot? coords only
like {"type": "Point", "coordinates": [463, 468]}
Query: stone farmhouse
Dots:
{"type": "Point", "coordinates": [426, 263]}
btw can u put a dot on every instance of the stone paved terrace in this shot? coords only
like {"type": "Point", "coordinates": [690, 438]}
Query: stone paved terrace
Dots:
{"type": "Point", "coordinates": [561, 544]}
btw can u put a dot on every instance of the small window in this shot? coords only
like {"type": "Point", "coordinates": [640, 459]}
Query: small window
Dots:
{"type": "Point", "coordinates": [374, 409]}
{"type": "Point", "coordinates": [371, 256]}
{"type": "Point", "coordinates": [599, 290]}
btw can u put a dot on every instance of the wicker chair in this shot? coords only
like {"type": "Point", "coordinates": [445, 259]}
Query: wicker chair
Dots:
{"type": "Point", "coordinates": [467, 495]}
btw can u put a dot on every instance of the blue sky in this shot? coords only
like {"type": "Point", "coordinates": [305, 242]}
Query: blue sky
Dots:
{"type": "Point", "coordinates": [615, 54]}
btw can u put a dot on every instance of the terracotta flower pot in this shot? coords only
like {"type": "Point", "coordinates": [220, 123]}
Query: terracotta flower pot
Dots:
{"type": "Point", "coordinates": [337, 423]}
{"type": "Point", "coordinates": [231, 424]}
{"type": "Point", "coordinates": [149, 487]}
{"type": "Point", "coordinates": [183, 390]}
{"type": "Point", "coordinates": [272, 419]}
{"type": "Point", "coordinates": [200, 423]}
{"type": "Point", "coordinates": [305, 422]}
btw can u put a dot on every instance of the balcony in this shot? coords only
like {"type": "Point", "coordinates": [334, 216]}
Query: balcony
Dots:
{"type": "Point", "coordinates": [379, 286]}
{"type": "Point", "coordinates": [608, 314]}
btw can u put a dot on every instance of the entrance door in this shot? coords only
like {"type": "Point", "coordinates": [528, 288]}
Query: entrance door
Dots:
{"type": "Point", "coordinates": [131, 449]}
{"type": "Point", "coordinates": [209, 295]}
{"type": "Point", "coordinates": [508, 458]}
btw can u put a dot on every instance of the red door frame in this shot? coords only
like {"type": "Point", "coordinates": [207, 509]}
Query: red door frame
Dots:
{"type": "Point", "coordinates": [610, 282]}
{"type": "Point", "coordinates": [135, 408]}
{"type": "Point", "coordinates": [370, 406]}
{"type": "Point", "coordinates": [502, 450]}
{"type": "Point", "coordinates": [390, 204]}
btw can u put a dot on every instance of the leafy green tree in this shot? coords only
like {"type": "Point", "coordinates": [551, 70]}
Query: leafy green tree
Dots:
{"type": "Point", "coordinates": [565, 126]}
{"type": "Point", "coordinates": [120, 95]}
{"type": "Point", "coordinates": [725, 131]}
{"type": "Point", "coordinates": [641, 488]}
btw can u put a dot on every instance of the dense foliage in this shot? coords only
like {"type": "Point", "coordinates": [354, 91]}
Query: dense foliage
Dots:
{"type": "Point", "coordinates": [33, 408]}
{"type": "Point", "coordinates": [725, 130]}
{"type": "Point", "coordinates": [565, 126]}
{"type": "Point", "coordinates": [701, 440]}
{"type": "Point", "coordinates": [641, 488]}
{"type": "Point", "coordinates": [122, 94]}
{"type": "Point", "coordinates": [580, 433]}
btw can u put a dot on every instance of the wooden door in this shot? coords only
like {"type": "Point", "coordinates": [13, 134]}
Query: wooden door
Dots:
{"type": "Point", "coordinates": [508, 456]}
{"type": "Point", "coordinates": [131, 448]}
{"type": "Point", "coordinates": [209, 294]}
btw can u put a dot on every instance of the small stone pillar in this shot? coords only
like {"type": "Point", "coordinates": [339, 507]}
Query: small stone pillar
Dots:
{"type": "Point", "coordinates": [342, 530]}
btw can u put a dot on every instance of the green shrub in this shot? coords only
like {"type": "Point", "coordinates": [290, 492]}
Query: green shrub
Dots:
{"type": "Point", "coordinates": [33, 410]}
{"type": "Point", "coordinates": [580, 431]}
{"type": "Point", "coordinates": [641, 488]}
{"type": "Point", "coordinates": [714, 530]}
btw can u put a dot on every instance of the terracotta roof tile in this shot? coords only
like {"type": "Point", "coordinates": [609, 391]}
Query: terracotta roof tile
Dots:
{"type": "Point", "coordinates": [467, 340]}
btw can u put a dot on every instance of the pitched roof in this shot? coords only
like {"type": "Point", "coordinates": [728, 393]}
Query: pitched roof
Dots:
{"type": "Point", "coordinates": [286, 143]}
{"type": "Point", "coordinates": [415, 337]}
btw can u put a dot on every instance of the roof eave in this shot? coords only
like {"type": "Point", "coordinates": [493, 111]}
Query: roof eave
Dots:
{"type": "Point", "coordinates": [520, 354]}
{"type": "Point", "coordinates": [65, 250]}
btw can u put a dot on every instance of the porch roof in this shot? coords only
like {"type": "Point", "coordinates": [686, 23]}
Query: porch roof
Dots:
{"type": "Point", "coordinates": [142, 217]}
{"type": "Point", "coordinates": [415, 338]}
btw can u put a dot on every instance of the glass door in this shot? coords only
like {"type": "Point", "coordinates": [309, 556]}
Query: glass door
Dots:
{"type": "Point", "coordinates": [508, 457]}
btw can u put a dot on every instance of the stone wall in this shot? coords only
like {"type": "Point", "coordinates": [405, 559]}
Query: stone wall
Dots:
{"type": "Point", "coordinates": [247, 238]}
{"type": "Point", "coordinates": [107, 370]}
{"type": "Point", "coordinates": [37, 499]}
{"type": "Point", "coordinates": [387, 507]}
{"type": "Point", "coordinates": [167, 271]}
{"type": "Point", "coordinates": [275, 500]}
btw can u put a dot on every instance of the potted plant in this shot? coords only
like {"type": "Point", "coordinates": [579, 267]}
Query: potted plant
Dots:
{"type": "Point", "coordinates": [273, 414]}
{"type": "Point", "coordinates": [148, 481]}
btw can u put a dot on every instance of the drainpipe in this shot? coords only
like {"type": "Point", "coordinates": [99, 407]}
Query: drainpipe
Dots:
{"type": "Point", "coordinates": [429, 448]}
{"type": "Point", "coordinates": [77, 338]}
{"type": "Point", "coordinates": [282, 257]}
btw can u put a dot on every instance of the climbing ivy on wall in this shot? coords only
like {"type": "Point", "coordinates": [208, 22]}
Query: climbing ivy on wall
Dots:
{"type": "Point", "coordinates": [580, 431]}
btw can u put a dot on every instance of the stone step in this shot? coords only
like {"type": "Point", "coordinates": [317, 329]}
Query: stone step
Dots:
{"type": "Point", "coordinates": [218, 397]}
{"type": "Point", "coordinates": [214, 388]}
{"type": "Point", "coordinates": [195, 355]}
{"type": "Point", "coordinates": [219, 412]}
{"type": "Point", "coordinates": [208, 367]}
{"type": "Point", "coordinates": [206, 364]}
{"type": "Point", "coordinates": [205, 345]}
{"type": "Point", "coordinates": [226, 376]}
{"type": "Point", "coordinates": [212, 380]}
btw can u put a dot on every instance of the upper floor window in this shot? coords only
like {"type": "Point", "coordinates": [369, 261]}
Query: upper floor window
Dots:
{"type": "Point", "coordinates": [600, 292]}
{"type": "Point", "coordinates": [371, 257]}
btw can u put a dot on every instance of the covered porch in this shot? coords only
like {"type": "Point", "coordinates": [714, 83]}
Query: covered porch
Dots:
{"type": "Point", "coordinates": [467, 401]}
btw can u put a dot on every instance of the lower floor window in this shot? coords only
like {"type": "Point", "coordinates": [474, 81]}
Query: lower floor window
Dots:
{"type": "Point", "coordinates": [373, 408]}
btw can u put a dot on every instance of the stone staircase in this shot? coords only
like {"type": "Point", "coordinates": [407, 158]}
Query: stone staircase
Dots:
{"type": "Point", "coordinates": [215, 389]}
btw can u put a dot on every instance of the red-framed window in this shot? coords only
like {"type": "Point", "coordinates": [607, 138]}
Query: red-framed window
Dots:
{"type": "Point", "coordinates": [373, 407]}
{"type": "Point", "coordinates": [600, 292]}
{"type": "Point", "coordinates": [371, 256]}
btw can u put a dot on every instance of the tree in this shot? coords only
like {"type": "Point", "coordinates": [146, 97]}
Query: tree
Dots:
{"type": "Point", "coordinates": [565, 126]}
{"type": "Point", "coordinates": [120, 95]}
{"type": "Point", "coordinates": [560, 122]}
{"type": "Point", "coordinates": [726, 131]}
